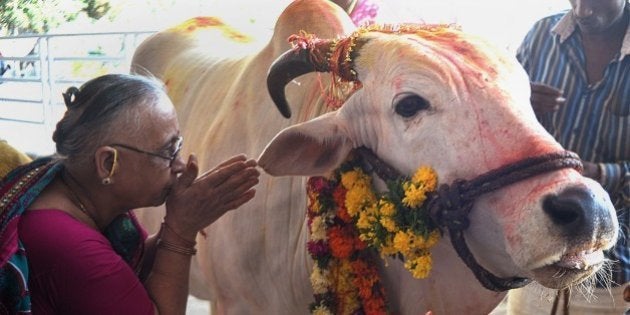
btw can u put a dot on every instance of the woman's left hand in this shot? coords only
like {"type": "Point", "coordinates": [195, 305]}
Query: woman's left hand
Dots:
{"type": "Point", "coordinates": [195, 203]}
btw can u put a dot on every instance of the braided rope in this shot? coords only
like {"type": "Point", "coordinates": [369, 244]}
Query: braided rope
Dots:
{"type": "Point", "coordinates": [450, 205]}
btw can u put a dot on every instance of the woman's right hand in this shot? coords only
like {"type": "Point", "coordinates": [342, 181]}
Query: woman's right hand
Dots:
{"type": "Point", "coordinates": [196, 202]}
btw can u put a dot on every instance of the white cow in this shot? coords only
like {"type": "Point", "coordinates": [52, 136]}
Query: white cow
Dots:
{"type": "Point", "coordinates": [438, 97]}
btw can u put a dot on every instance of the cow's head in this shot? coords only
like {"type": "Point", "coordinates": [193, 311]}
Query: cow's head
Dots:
{"type": "Point", "coordinates": [433, 95]}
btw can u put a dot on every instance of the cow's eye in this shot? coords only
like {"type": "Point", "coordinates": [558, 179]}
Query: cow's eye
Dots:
{"type": "Point", "coordinates": [411, 105]}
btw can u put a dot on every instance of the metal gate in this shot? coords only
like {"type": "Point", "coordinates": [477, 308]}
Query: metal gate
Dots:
{"type": "Point", "coordinates": [36, 69]}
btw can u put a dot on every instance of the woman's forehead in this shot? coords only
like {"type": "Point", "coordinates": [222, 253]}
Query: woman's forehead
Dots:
{"type": "Point", "coordinates": [163, 124]}
{"type": "Point", "coordinates": [157, 123]}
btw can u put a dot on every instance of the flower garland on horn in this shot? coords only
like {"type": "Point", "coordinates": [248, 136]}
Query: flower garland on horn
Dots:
{"type": "Point", "coordinates": [349, 223]}
{"type": "Point", "coordinates": [338, 55]}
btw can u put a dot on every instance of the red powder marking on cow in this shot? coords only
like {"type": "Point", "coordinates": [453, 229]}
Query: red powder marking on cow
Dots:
{"type": "Point", "coordinates": [460, 47]}
{"type": "Point", "coordinates": [207, 21]}
{"type": "Point", "coordinates": [193, 24]}
{"type": "Point", "coordinates": [513, 237]}
{"type": "Point", "coordinates": [196, 24]}
{"type": "Point", "coordinates": [397, 83]}
{"type": "Point", "coordinates": [456, 47]}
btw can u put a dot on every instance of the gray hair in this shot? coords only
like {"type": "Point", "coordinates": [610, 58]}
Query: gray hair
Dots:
{"type": "Point", "coordinates": [100, 109]}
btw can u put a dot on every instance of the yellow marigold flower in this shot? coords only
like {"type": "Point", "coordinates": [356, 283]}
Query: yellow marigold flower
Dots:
{"type": "Point", "coordinates": [357, 198]}
{"type": "Point", "coordinates": [368, 237]}
{"type": "Point", "coordinates": [422, 242]}
{"type": "Point", "coordinates": [419, 267]}
{"type": "Point", "coordinates": [389, 224]}
{"type": "Point", "coordinates": [402, 242]}
{"type": "Point", "coordinates": [319, 280]}
{"type": "Point", "coordinates": [312, 194]}
{"type": "Point", "coordinates": [371, 209]}
{"type": "Point", "coordinates": [318, 229]}
{"type": "Point", "coordinates": [351, 178]}
{"type": "Point", "coordinates": [322, 310]}
{"type": "Point", "coordinates": [414, 196]}
{"type": "Point", "coordinates": [346, 288]}
{"type": "Point", "coordinates": [368, 193]}
{"type": "Point", "coordinates": [354, 202]}
{"type": "Point", "coordinates": [365, 220]}
{"type": "Point", "coordinates": [427, 177]}
{"type": "Point", "coordinates": [351, 303]}
{"type": "Point", "coordinates": [364, 237]}
{"type": "Point", "coordinates": [434, 237]}
{"type": "Point", "coordinates": [315, 206]}
{"type": "Point", "coordinates": [386, 208]}
{"type": "Point", "coordinates": [388, 250]}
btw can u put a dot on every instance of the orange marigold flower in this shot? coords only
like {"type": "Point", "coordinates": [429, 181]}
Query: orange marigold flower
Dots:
{"type": "Point", "coordinates": [375, 306]}
{"type": "Point", "coordinates": [342, 213]}
{"type": "Point", "coordinates": [339, 195]}
{"type": "Point", "coordinates": [341, 242]}
{"type": "Point", "coordinates": [366, 278]}
{"type": "Point", "coordinates": [359, 244]}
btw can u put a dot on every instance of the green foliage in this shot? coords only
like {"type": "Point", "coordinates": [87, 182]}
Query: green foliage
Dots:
{"type": "Point", "coordinates": [96, 9]}
{"type": "Point", "coordinates": [39, 16]}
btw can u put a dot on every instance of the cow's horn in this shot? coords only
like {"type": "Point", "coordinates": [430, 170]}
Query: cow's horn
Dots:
{"type": "Point", "coordinates": [291, 65]}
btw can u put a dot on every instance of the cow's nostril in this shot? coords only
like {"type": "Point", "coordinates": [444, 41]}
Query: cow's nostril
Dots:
{"type": "Point", "coordinates": [562, 211]}
{"type": "Point", "coordinates": [575, 211]}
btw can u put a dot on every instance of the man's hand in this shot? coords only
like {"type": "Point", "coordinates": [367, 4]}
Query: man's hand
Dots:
{"type": "Point", "coordinates": [592, 170]}
{"type": "Point", "coordinates": [546, 98]}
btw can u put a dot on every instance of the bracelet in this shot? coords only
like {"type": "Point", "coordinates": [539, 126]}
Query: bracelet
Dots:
{"type": "Point", "coordinates": [183, 240]}
{"type": "Point", "coordinates": [186, 251]}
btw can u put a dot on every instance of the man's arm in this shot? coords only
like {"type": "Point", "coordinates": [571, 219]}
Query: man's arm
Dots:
{"type": "Point", "coordinates": [615, 178]}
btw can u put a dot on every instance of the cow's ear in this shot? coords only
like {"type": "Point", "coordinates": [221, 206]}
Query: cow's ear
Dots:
{"type": "Point", "coordinates": [312, 148]}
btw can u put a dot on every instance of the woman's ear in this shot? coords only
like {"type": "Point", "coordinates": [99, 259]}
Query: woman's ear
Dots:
{"type": "Point", "coordinates": [106, 160]}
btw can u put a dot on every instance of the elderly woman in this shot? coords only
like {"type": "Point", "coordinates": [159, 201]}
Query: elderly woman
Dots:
{"type": "Point", "coordinates": [66, 226]}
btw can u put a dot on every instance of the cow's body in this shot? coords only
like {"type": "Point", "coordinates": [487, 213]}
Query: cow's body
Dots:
{"type": "Point", "coordinates": [254, 260]}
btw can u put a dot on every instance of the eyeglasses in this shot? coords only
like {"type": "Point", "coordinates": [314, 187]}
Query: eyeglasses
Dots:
{"type": "Point", "coordinates": [175, 148]}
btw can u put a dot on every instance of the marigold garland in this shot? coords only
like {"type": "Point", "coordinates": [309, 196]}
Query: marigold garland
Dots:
{"type": "Point", "coordinates": [348, 222]}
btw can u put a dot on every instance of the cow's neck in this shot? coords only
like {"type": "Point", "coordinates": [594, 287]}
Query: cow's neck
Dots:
{"type": "Point", "coordinates": [441, 293]}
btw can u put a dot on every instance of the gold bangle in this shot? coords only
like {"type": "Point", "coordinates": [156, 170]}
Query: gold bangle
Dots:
{"type": "Point", "coordinates": [187, 251]}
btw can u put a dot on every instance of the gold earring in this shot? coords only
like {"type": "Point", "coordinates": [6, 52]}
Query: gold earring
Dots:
{"type": "Point", "coordinates": [108, 180]}
{"type": "Point", "coordinates": [114, 164]}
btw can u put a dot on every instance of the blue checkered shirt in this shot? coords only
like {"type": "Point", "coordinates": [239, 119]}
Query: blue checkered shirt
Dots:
{"type": "Point", "coordinates": [595, 121]}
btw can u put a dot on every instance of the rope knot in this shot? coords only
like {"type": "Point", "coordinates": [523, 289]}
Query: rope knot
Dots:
{"type": "Point", "coordinates": [449, 209]}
